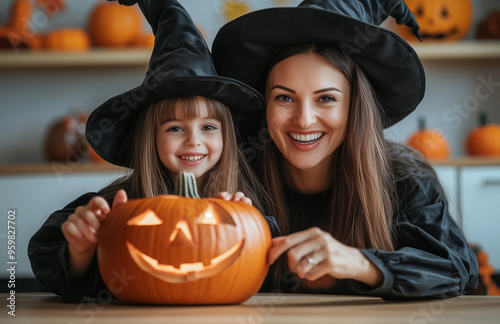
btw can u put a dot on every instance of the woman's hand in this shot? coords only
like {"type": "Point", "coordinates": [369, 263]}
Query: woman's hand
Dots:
{"type": "Point", "coordinates": [81, 228]}
{"type": "Point", "coordinates": [314, 253]}
{"type": "Point", "coordinates": [239, 196]}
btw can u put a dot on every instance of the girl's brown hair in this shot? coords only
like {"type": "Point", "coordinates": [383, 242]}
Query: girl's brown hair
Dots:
{"type": "Point", "coordinates": [361, 178]}
{"type": "Point", "coordinates": [149, 177]}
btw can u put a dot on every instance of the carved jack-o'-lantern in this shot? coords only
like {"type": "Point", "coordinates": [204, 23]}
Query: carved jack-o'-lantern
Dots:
{"type": "Point", "coordinates": [183, 250]}
{"type": "Point", "coordinates": [439, 19]}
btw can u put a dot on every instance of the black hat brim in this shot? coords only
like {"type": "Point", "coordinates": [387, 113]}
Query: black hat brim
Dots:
{"type": "Point", "coordinates": [110, 126]}
{"type": "Point", "coordinates": [244, 47]}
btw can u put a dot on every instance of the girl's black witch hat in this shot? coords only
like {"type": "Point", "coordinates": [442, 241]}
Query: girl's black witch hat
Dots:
{"type": "Point", "coordinates": [181, 65]}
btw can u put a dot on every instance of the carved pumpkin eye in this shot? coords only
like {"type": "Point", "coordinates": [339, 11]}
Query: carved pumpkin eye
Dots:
{"type": "Point", "coordinates": [214, 215]}
{"type": "Point", "coordinates": [445, 13]}
{"type": "Point", "coordinates": [419, 12]}
{"type": "Point", "coordinates": [146, 218]}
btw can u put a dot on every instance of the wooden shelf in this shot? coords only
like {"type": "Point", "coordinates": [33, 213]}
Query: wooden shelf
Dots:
{"type": "Point", "coordinates": [59, 168]}
{"type": "Point", "coordinates": [468, 161]}
{"type": "Point", "coordinates": [468, 49]}
{"type": "Point", "coordinates": [87, 167]}
{"type": "Point", "coordinates": [93, 58]}
{"type": "Point", "coordinates": [98, 57]}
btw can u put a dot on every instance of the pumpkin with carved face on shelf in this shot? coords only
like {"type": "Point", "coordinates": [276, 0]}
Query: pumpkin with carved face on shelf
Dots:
{"type": "Point", "coordinates": [439, 19]}
{"type": "Point", "coordinates": [182, 249]}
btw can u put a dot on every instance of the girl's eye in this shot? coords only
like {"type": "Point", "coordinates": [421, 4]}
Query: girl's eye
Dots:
{"type": "Point", "coordinates": [174, 129]}
{"type": "Point", "coordinates": [208, 127]}
{"type": "Point", "coordinates": [327, 99]}
{"type": "Point", "coordinates": [283, 98]}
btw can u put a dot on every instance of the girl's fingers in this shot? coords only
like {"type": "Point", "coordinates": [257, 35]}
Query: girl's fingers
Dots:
{"type": "Point", "coordinates": [99, 206]}
{"type": "Point", "coordinates": [224, 195]}
{"type": "Point", "coordinates": [247, 201]}
{"type": "Point", "coordinates": [88, 216]}
{"type": "Point", "coordinates": [88, 231]}
{"type": "Point", "coordinates": [120, 198]}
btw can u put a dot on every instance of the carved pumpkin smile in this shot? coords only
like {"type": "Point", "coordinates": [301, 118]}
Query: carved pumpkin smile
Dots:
{"type": "Point", "coordinates": [187, 271]}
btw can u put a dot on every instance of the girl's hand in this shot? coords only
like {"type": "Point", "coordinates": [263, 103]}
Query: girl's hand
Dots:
{"type": "Point", "coordinates": [81, 228]}
{"type": "Point", "coordinates": [314, 253]}
{"type": "Point", "coordinates": [239, 196]}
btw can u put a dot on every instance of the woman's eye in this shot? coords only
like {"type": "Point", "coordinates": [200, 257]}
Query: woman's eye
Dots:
{"type": "Point", "coordinates": [208, 127]}
{"type": "Point", "coordinates": [174, 129]}
{"type": "Point", "coordinates": [327, 99]}
{"type": "Point", "coordinates": [283, 98]}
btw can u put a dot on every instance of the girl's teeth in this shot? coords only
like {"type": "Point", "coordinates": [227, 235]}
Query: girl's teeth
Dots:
{"type": "Point", "coordinates": [192, 158]}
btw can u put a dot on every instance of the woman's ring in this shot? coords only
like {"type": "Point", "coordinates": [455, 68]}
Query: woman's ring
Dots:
{"type": "Point", "coordinates": [311, 261]}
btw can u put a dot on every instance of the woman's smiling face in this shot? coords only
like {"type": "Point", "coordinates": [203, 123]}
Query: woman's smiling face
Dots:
{"type": "Point", "coordinates": [308, 101]}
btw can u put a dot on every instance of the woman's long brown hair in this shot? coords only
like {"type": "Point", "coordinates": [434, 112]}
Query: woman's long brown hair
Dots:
{"type": "Point", "coordinates": [361, 177]}
{"type": "Point", "coordinates": [149, 177]}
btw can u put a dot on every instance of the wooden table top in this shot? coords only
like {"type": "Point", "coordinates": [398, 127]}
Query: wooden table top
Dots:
{"type": "Point", "coordinates": [261, 308]}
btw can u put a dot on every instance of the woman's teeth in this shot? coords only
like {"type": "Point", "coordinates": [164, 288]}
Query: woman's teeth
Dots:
{"type": "Point", "coordinates": [192, 158]}
{"type": "Point", "coordinates": [306, 139]}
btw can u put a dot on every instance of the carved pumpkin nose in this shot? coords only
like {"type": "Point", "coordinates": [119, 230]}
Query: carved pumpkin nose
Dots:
{"type": "Point", "coordinates": [183, 234]}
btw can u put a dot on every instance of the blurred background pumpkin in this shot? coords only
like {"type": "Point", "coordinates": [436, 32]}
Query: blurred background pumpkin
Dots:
{"type": "Point", "coordinates": [114, 25]}
{"type": "Point", "coordinates": [484, 140]}
{"type": "Point", "coordinates": [431, 143]}
{"type": "Point", "coordinates": [439, 19]}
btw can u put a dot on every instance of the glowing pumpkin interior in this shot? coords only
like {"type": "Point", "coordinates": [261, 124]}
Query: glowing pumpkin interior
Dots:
{"type": "Point", "coordinates": [184, 235]}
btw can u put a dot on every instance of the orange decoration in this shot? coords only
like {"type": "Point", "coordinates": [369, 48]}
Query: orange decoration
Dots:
{"type": "Point", "coordinates": [17, 32]}
{"type": "Point", "coordinates": [65, 139]}
{"type": "Point", "coordinates": [63, 40]}
{"type": "Point", "coordinates": [232, 9]}
{"type": "Point", "coordinates": [146, 40]}
{"type": "Point", "coordinates": [439, 19]}
{"type": "Point", "coordinates": [180, 249]}
{"type": "Point", "coordinates": [114, 25]}
{"type": "Point", "coordinates": [484, 140]}
{"type": "Point", "coordinates": [486, 270]}
{"type": "Point", "coordinates": [431, 143]}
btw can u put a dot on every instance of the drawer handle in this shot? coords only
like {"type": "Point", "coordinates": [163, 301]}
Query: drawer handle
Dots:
{"type": "Point", "coordinates": [492, 182]}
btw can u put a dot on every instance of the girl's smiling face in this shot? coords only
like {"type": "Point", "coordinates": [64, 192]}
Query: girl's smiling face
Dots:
{"type": "Point", "coordinates": [308, 101]}
{"type": "Point", "coordinates": [193, 144]}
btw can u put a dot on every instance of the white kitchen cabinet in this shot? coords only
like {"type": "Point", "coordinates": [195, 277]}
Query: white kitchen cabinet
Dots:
{"type": "Point", "coordinates": [448, 176]}
{"type": "Point", "coordinates": [34, 197]}
{"type": "Point", "coordinates": [479, 194]}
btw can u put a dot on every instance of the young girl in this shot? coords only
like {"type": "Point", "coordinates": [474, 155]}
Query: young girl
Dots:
{"type": "Point", "coordinates": [177, 120]}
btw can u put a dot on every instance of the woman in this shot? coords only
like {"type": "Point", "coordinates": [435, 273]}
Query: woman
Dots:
{"type": "Point", "coordinates": [360, 215]}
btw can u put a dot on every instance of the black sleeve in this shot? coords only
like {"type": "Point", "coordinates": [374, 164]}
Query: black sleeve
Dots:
{"type": "Point", "coordinates": [273, 226]}
{"type": "Point", "coordinates": [432, 258]}
{"type": "Point", "coordinates": [48, 254]}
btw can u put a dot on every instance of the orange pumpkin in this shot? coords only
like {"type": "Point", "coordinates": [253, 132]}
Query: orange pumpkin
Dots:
{"type": "Point", "coordinates": [62, 40]}
{"type": "Point", "coordinates": [439, 19]}
{"type": "Point", "coordinates": [484, 140]}
{"type": "Point", "coordinates": [65, 139]}
{"type": "Point", "coordinates": [180, 249]}
{"type": "Point", "coordinates": [146, 40]}
{"type": "Point", "coordinates": [114, 25]}
{"type": "Point", "coordinates": [17, 33]}
{"type": "Point", "coordinates": [431, 143]}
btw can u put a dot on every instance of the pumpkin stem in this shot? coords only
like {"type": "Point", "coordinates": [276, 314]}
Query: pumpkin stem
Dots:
{"type": "Point", "coordinates": [483, 119]}
{"type": "Point", "coordinates": [421, 124]}
{"type": "Point", "coordinates": [186, 185]}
